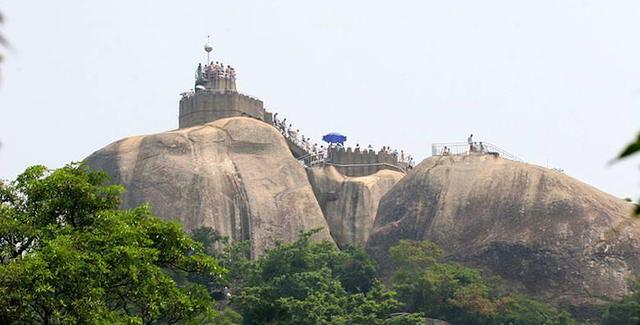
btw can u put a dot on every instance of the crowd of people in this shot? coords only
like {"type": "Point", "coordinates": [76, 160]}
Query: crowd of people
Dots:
{"type": "Point", "coordinates": [320, 152]}
{"type": "Point", "coordinates": [294, 135]}
{"type": "Point", "coordinates": [474, 147]}
{"type": "Point", "coordinates": [215, 70]}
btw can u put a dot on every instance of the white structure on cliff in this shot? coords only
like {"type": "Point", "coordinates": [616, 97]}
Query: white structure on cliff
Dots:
{"type": "Point", "coordinates": [215, 96]}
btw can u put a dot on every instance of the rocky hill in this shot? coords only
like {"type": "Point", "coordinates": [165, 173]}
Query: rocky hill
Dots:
{"type": "Point", "coordinates": [546, 233]}
{"type": "Point", "coordinates": [349, 204]}
{"type": "Point", "coordinates": [236, 175]}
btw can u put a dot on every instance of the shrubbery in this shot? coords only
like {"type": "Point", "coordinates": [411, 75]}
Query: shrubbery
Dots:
{"type": "Point", "coordinates": [70, 256]}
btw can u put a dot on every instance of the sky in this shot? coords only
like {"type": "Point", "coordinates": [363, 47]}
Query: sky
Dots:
{"type": "Point", "coordinates": [554, 82]}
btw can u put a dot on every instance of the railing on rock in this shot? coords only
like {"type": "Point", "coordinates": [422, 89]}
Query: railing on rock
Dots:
{"type": "Point", "coordinates": [387, 165]}
{"type": "Point", "coordinates": [322, 159]}
{"type": "Point", "coordinates": [367, 161]}
{"type": "Point", "coordinates": [463, 148]}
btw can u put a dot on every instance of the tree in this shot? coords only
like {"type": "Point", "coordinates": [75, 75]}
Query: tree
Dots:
{"type": "Point", "coordinates": [227, 317]}
{"type": "Point", "coordinates": [315, 283]}
{"type": "Point", "coordinates": [627, 310]}
{"type": "Point", "coordinates": [69, 255]}
{"type": "Point", "coordinates": [233, 256]}
{"type": "Point", "coordinates": [458, 294]}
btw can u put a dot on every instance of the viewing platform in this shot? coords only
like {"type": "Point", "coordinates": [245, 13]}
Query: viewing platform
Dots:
{"type": "Point", "coordinates": [474, 148]}
{"type": "Point", "coordinates": [357, 162]}
{"type": "Point", "coordinates": [352, 162]}
{"type": "Point", "coordinates": [215, 96]}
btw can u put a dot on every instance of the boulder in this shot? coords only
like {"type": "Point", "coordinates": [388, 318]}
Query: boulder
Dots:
{"type": "Point", "coordinates": [349, 204]}
{"type": "Point", "coordinates": [547, 234]}
{"type": "Point", "coordinates": [235, 175]}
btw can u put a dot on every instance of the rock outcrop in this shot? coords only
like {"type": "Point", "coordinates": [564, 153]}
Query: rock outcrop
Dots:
{"type": "Point", "coordinates": [235, 175]}
{"type": "Point", "coordinates": [546, 233]}
{"type": "Point", "coordinates": [349, 204]}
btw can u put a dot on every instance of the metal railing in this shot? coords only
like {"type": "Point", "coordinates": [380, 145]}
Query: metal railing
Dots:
{"type": "Point", "coordinates": [313, 156]}
{"type": "Point", "coordinates": [463, 148]}
{"type": "Point", "coordinates": [321, 158]}
{"type": "Point", "coordinates": [391, 166]}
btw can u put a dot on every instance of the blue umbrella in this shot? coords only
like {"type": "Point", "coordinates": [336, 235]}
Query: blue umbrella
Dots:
{"type": "Point", "coordinates": [334, 138]}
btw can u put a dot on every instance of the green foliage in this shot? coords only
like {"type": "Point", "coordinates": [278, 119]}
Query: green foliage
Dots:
{"type": "Point", "coordinates": [632, 149]}
{"type": "Point", "coordinates": [458, 294]}
{"type": "Point", "coordinates": [68, 255]}
{"type": "Point", "coordinates": [415, 256]}
{"type": "Point", "coordinates": [209, 237]}
{"type": "Point", "coordinates": [234, 257]}
{"type": "Point", "coordinates": [627, 310]}
{"type": "Point", "coordinates": [227, 317]}
{"type": "Point", "coordinates": [355, 270]}
{"type": "Point", "coordinates": [524, 311]}
{"type": "Point", "coordinates": [315, 283]}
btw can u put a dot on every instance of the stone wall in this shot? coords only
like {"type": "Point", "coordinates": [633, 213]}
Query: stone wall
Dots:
{"type": "Point", "coordinates": [357, 162]}
{"type": "Point", "coordinates": [206, 106]}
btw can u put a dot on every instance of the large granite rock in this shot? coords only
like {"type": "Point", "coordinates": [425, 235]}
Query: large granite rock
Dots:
{"type": "Point", "coordinates": [546, 233]}
{"type": "Point", "coordinates": [235, 175]}
{"type": "Point", "coordinates": [349, 204]}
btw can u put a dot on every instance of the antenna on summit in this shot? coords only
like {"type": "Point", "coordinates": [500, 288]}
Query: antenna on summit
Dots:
{"type": "Point", "coordinates": [208, 49]}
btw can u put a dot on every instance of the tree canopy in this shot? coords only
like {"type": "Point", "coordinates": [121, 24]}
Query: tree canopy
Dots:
{"type": "Point", "coordinates": [69, 255]}
{"type": "Point", "coordinates": [458, 294]}
{"type": "Point", "coordinates": [316, 283]}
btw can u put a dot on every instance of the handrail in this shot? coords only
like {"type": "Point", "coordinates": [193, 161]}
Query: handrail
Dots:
{"type": "Point", "coordinates": [362, 165]}
{"type": "Point", "coordinates": [312, 156]}
{"type": "Point", "coordinates": [463, 148]}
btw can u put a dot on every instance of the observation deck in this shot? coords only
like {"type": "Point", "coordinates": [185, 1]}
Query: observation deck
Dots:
{"type": "Point", "coordinates": [474, 148]}
{"type": "Point", "coordinates": [215, 96]}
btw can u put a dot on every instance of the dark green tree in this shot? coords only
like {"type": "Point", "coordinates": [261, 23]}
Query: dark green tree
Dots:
{"type": "Point", "coordinates": [627, 310]}
{"type": "Point", "coordinates": [69, 255]}
{"type": "Point", "coordinates": [315, 283]}
{"type": "Point", "coordinates": [458, 294]}
{"type": "Point", "coordinates": [227, 316]}
{"type": "Point", "coordinates": [209, 237]}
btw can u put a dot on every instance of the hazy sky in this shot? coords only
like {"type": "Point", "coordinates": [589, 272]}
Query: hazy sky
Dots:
{"type": "Point", "coordinates": [555, 82]}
